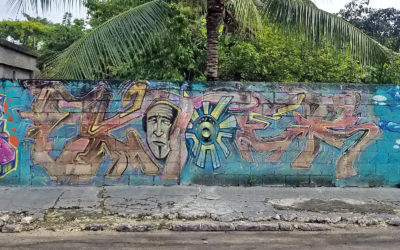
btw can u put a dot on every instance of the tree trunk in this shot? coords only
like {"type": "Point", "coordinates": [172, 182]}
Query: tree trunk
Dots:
{"type": "Point", "coordinates": [215, 10]}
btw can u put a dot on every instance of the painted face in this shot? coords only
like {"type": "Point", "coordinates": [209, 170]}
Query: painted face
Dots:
{"type": "Point", "coordinates": [159, 123]}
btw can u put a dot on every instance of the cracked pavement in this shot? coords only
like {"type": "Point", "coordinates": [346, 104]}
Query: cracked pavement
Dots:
{"type": "Point", "coordinates": [167, 204]}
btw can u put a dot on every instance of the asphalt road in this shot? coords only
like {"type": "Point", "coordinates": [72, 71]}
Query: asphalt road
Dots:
{"type": "Point", "coordinates": [362, 239]}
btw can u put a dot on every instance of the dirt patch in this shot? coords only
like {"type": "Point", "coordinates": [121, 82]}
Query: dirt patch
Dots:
{"type": "Point", "coordinates": [337, 206]}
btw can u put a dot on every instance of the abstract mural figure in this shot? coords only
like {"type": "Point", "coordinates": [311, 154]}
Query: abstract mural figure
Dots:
{"type": "Point", "coordinates": [329, 119]}
{"type": "Point", "coordinates": [259, 118]}
{"type": "Point", "coordinates": [208, 128]}
{"type": "Point", "coordinates": [333, 120]}
{"type": "Point", "coordinates": [7, 152]}
{"type": "Point", "coordinates": [81, 155]}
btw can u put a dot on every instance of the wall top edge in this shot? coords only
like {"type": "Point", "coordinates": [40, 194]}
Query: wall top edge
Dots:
{"type": "Point", "coordinates": [212, 84]}
{"type": "Point", "coordinates": [19, 48]}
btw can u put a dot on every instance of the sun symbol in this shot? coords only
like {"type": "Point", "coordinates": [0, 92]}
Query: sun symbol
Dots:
{"type": "Point", "coordinates": [208, 126]}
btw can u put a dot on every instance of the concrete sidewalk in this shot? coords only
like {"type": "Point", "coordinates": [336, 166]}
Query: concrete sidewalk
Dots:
{"type": "Point", "coordinates": [196, 208]}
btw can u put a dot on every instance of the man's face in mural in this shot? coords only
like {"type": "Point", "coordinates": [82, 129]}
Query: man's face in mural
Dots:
{"type": "Point", "coordinates": [159, 123]}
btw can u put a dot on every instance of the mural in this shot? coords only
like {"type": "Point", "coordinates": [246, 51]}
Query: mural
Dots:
{"type": "Point", "coordinates": [7, 151]}
{"type": "Point", "coordinates": [139, 132]}
{"type": "Point", "coordinates": [207, 128]}
{"type": "Point", "coordinates": [393, 97]}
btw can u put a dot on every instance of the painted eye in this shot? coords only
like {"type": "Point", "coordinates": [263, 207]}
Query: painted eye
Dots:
{"type": "Point", "coordinates": [167, 122]}
{"type": "Point", "coordinates": [152, 119]}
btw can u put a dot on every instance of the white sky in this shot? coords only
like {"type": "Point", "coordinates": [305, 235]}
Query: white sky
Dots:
{"type": "Point", "coordinates": [332, 6]}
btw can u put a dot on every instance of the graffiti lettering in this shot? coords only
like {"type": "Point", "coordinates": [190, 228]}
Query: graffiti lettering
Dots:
{"type": "Point", "coordinates": [140, 132]}
{"type": "Point", "coordinates": [331, 123]}
{"type": "Point", "coordinates": [259, 119]}
{"type": "Point", "coordinates": [55, 107]}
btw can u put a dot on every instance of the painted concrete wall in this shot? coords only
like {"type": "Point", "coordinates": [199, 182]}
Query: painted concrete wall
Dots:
{"type": "Point", "coordinates": [152, 133]}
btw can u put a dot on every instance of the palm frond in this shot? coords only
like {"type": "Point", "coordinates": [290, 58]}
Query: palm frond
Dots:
{"type": "Point", "coordinates": [320, 27]}
{"type": "Point", "coordinates": [245, 13]}
{"type": "Point", "coordinates": [18, 6]}
{"type": "Point", "coordinates": [308, 2]}
{"type": "Point", "coordinates": [112, 43]}
{"type": "Point", "coordinates": [259, 3]}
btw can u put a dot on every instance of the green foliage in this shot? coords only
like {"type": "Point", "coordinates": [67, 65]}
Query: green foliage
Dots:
{"type": "Point", "coordinates": [126, 38]}
{"type": "Point", "coordinates": [391, 72]}
{"type": "Point", "coordinates": [381, 24]}
{"type": "Point", "coordinates": [271, 56]}
{"type": "Point", "coordinates": [59, 37]}
{"type": "Point", "coordinates": [37, 19]}
{"type": "Point", "coordinates": [43, 37]}
{"type": "Point", "coordinates": [388, 73]}
{"type": "Point", "coordinates": [101, 11]}
{"type": "Point", "coordinates": [261, 55]}
{"type": "Point", "coordinates": [384, 26]}
{"type": "Point", "coordinates": [180, 56]}
{"type": "Point", "coordinates": [320, 28]}
{"type": "Point", "coordinates": [28, 33]}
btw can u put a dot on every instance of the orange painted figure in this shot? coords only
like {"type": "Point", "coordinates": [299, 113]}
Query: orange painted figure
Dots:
{"type": "Point", "coordinates": [330, 119]}
{"type": "Point", "coordinates": [333, 120]}
{"type": "Point", "coordinates": [81, 157]}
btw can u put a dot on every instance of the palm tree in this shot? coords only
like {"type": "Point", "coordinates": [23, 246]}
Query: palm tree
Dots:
{"type": "Point", "coordinates": [138, 28]}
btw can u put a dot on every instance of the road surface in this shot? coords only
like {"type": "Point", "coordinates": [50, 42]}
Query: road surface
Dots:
{"type": "Point", "coordinates": [378, 238]}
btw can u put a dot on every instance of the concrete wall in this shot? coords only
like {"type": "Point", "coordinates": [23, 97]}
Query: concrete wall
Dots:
{"type": "Point", "coordinates": [151, 133]}
{"type": "Point", "coordinates": [14, 58]}
{"type": "Point", "coordinates": [10, 72]}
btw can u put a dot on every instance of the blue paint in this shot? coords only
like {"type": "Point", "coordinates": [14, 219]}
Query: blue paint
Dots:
{"type": "Point", "coordinates": [375, 165]}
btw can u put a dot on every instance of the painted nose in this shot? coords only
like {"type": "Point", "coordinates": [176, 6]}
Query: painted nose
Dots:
{"type": "Point", "coordinates": [158, 132]}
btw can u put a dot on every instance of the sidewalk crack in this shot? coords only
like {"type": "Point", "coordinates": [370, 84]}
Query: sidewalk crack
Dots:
{"type": "Point", "coordinates": [102, 196]}
{"type": "Point", "coordinates": [57, 200]}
